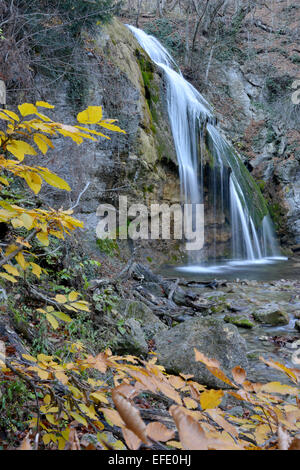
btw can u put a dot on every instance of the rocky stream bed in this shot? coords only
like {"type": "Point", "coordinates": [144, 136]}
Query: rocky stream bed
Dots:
{"type": "Point", "coordinates": [234, 322]}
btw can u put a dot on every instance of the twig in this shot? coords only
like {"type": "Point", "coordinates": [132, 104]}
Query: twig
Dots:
{"type": "Point", "coordinates": [80, 194]}
{"type": "Point", "coordinates": [20, 248]}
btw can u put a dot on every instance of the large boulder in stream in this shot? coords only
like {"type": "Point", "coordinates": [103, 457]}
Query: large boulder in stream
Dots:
{"type": "Point", "coordinates": [212, 337]}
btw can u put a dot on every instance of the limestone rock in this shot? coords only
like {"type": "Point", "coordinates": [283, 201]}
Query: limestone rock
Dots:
{"type": "Point", "coordinates": [138, 327]}
{"type": "Point", "coordinates": [212, 337]}
{"type": "Point", "coordinates": [272, 316]}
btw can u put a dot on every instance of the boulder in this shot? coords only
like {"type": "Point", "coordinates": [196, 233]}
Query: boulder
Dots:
{"type": "Point", "coordinates": [138, 325]}
{"type": "Point", "coordinates": [212, 337]}
{"type": "Point", "coordinates": [272, 317]}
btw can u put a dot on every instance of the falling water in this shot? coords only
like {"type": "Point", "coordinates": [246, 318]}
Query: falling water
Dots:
{"type": "Point", "coordinates": [231, 192]}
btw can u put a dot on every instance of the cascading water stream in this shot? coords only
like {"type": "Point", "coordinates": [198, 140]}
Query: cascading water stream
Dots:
{"type": "Point", "coordinates": [231, 192]}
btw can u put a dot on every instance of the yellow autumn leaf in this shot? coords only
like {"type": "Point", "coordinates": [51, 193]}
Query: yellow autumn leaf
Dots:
{"type": "Point", "coordinates": [11, 269]}
{"type": "Point", "coordinates": [73, 296]}
{"type": "Point", "coordinates": [51, 419]}
{"type": "Point", "coordinates": [211, 399]}
{"type": "Point", "coordinates": [21, 260]}
{"type": "Point", "coordinates": [98, 396]}
{"type": "Point", "coordinates": [61, 299]}
{"type": "Point", "coordinates": [47, 399]}
{"type": "Point", "coordinates": [29, 358]}
{"type": "Point", "coordinates": [62, 316]}
{"type": "Point", "coordinates": [111, 127]}
{"type": "Point", "coordinates": [52, 321]}
{"type": "Point", "coordinates": [112, 417]}
{"type": "Point", "coordinates": [5, 117]}
{"type": "Point", "coordinates": [27, 220]}
{"type": "Point", "coordinates": [17, 223]}
{"type": "Point", "coordinates": [11, 114]}
{"type": "Point", "coordinates": [91, 115]}
{"type": "Point", "coordinates": [40, 142]}
{"type": "Point", "coordinates": [43, 374]}
{"type": "Point", "coordinates": [33, 180]}
{"type": "Point", "coordinates": [43, 238]}
{"type": "Point", "coordinates": [88, 411]}
{"type": "Point", "coordinates": [47, 438]}
{"type": "Point", "coordinates": [79, 418]}
{"type": "Point", "coordinates": [4, 181]}
{"type": "Point", "coordinates": [44, 104]}
{"type": "Point", "coordinates": [36, 269]}
{"type": "Point", "coordinates": [61, 443]}
{"type": "Point", "coordinates": [27, 108]}
{"type": "Point", "coordinates": [175, 444]}
{"type": "Point", "coordinates": [63, 378]}
{"type": "Point", "coordinates": [19, 149]}
{"type": "Point", "coordinates": [80, 306]}
{"type": "Point", "coordinates": [8, 277]}
{"type": "Point", "coordinates": [54, 180]}
{"type": "Point", "coordinates": [277, 387]}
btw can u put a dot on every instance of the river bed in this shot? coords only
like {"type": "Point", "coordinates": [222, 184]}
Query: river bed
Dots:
{"type": "Point", "coordinates": [243, 289]}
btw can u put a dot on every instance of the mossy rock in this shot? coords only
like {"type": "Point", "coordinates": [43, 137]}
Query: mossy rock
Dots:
{"type": "Point", "coordinates": [241, 321]}
{"type": "Point", "coordinates": [272, 317]}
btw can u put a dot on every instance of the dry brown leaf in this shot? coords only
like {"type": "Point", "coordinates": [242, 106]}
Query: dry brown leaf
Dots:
{"type": "Point", "coordinates": [239, 374]}
{"type": "Point", "coordinates": [113, 416]}
{"type": "Point", "coordinates": [200, 357]}
{"type": "Point", "coordinates": [25, 444]}
{"type": "Point", "coordinates": [186, 376]}
{"type": "Point", "coordinates": [284, 439]}
{"type": "Point", "coordinates": [168, 390]}
{"type": "Point", "coordinates": [74, 440]}
{"type": "Point", "coordinates": [190, 403]}
{"type": "Point", "coordinates": [295, 445]}
{"type": "Point", "coordinates": [159, 432]}
{"type": "Point", "coordinates": [218, 418]}
{"type": "Point", "coordinates": [191, 434]}
{"type": "Point", "coordinates": [214, 367]}
{"type": "Point", "coordinates": [99, 362]}
{"type": "Point", "coordinates": [130, 415]}
{"type": "Point", "coordinates": [277, 387]}
{"type": "Point", "coordinates": [176, 382]}
{"type": "Point", "coordinates": [128, 391]}
{"type": "Point", "coordinates": [194, 392]}
{"type": "Point", "coordinates": [262, 433]}
{"type": "Point", "coordinates": [276, 365]}
{"type": "Point", "coordinates": [133, 442]}
{"type": "Point", "coordinates": [144, 379]}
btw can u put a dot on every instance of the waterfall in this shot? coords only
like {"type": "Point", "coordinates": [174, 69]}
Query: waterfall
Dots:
{"type": "Point", "coordinates": [210, 170]}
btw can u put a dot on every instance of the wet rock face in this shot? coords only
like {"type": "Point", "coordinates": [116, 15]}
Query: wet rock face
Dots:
{"type": "Point", "coordinates": [140, 164]}
{"type": "Point", "coordinates": [212, 337]}
{"type": "Point", "coordinates": [272, 317]}
{"type": "Point", "coordinates": [264, 126]}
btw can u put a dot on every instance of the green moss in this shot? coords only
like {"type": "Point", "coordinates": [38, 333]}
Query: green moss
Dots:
{"type": "Point", "coordinates": [151, 90]}
{"type": "Point", "coordinates": [261, 184]}
{"type": "Point", "coordinates": [108, 246]}
{"type": "Point", "coordinates": [242, 322]}
{"type": "Point", "coordinates": [276, 214]}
